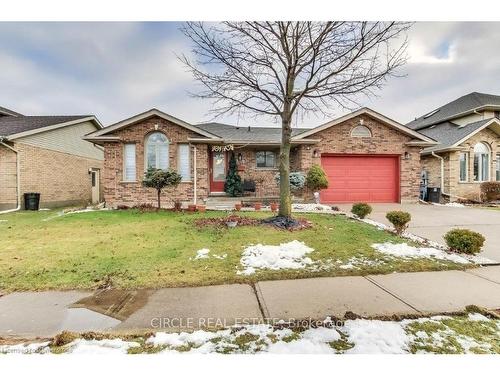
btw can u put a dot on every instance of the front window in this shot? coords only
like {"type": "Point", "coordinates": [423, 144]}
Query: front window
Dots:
{"type": "Point", "coordinates": [129, 162]}
{"type": "Point", "coordinates": [265, 159]}
{"type": "Point", "coordinates": [481, 162]}
{"type": "Point", "coordinates": [184, 162]}
{"type": "Point", "coordinates": [464, 166]}
{"type": "Point", "coordinates": [157, 151]}
{"type": "Point", "coordinates": [498, 167]}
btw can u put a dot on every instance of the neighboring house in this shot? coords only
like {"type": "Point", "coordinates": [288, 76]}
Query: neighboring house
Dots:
{"type": "Point", "coordinates": [47, 155]}
{"type": "Point", "coordinates": [367, 157]}
{"type": "Point", "coordinates": [468, 153]}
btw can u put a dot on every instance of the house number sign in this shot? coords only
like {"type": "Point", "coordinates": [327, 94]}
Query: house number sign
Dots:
{"type": "Point", "coordinates": [222, 148]}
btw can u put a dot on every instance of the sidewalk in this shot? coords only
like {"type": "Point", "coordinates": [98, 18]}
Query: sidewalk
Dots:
{"type": "Point", "coordinates": [31, 314]}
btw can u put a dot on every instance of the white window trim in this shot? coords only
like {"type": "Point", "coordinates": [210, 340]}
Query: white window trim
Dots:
{"type": "Point", "coordinates": [467, 166]}
{"type": "Point", "coordinates": [257, 166]}
{"type": "Point", "coordinates": [146, 140]}
{"type": "Point", "coordinates": [179, 147]}
{"type": "Point", "coordinates": [498, 166]}
{"type": "Point", "coordinates": [124, 171]}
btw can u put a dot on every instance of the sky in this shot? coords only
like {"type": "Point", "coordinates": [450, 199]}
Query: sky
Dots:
{"type": "Point", "coordinates": [116, 70]}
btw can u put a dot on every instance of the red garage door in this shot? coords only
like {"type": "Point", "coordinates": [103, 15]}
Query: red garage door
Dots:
{"type": "Point", "coordinates": [363, 178]}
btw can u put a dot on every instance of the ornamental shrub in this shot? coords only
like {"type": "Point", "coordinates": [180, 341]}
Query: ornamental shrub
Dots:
{"type": "Point", "coordinates": [233, 185]}
{"type": "Point", "coordinates": [399, 219]}
{"type": "Point", "coordinates": [490, 191]}
{"type": "Point", "coordinates": [160, 179]}
{"type": "Point", "coordinates": [464, 241]}
{"type": "Point", "coordinates": [361, 210]}
{"type": "Point", "coordinates": [316, 178]}
{"type": "Point", "coordinates": [297, 180]}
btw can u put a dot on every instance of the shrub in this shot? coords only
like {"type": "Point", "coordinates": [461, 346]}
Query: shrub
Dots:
{"type": "Point", "coordinates": [160, 179]}
{"type": "Point", "coordinates": [399, 219]}
{"type": "Point", "coordinates": [464, 241]}
{"type": "Point", "coordinates": [490, 191]}
{"type": "Point", "coordinates": [297, 180]}
{"type": "Point", "coordinates": [316, 178]}
{"type": "Point", "coordinates": [361, 210]}
{"type": "Point", "coordinates": [233, 185]}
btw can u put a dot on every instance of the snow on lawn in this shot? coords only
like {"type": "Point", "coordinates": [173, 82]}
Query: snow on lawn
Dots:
{"type": "Point", "coordinates": [290, 255]}
{"type": "Point", "coordinates": [202, 254]}
{"type": "Point", "coordinates": [450, 204]}
{"type": "Point", "coordinates": [311, 207]}
{"type": "Point", "coordinates": [471, 333]}
{"type": "Point", "coordinates": [406, 251]}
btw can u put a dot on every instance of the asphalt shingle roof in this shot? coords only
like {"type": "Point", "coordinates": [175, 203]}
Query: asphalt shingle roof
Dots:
{"type": "Point", "coordinates": [463, 104]}
{"type": "Point", "coordinates": [241, 133]}
{"type": "Point", "coordinates": [448, 133]}
{"type": "Point", "coordinates": [10, 125]}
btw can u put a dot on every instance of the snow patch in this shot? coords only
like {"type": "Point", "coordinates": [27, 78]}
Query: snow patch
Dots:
{"type": "Point", "coordinates": [106, 346]}
{"type": "Point", "coordinates": [476, 317]}
{"type": "Point", "coordinates": [202, 254]}
{"type": "Point", "coordinates": [290, 255]}
{"type": "Point", "coordinates": [35, 347]}
{"type": "Point", "coordinates": [406, 251]}
{"type": "Point", "coordinates": [450, 204]}
{"type": "Point", "coordinates": [311, 207]}
{"type": "Point", "coordinates": [376, 337]}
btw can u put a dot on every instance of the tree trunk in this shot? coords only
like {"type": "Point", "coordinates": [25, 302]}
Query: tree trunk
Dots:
{"type": "Point", "coordinates": [159, 193]}
{"type": "Point", "coordinates": [285, 198]}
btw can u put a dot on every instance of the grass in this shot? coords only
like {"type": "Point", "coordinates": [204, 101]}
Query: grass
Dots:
{"type": "Point", "coordinates": [131, 249]}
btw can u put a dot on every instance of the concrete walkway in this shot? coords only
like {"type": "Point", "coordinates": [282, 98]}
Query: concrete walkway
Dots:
{"type": "Point", "coordinates": [44, 314]}
{"type": "Point", "coordinates": [432, 222]}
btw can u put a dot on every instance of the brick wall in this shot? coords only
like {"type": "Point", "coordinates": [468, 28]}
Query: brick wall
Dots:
{"type": "Point", "coordinates": [8, 172]}
{"type": "Point", "coordinates": [452, 184]}
{"type": "Point", "coordinates": [117, 192]}
{"type": "Point", "coordinates": [384, 140]}
{"type": "Point", "coordinates": [61, 179]}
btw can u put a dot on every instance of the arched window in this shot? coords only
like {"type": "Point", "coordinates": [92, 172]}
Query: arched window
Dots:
{"type": "Point", "coordinates": [481, 162]}
{"type": "Point", "coordinates": [361, 131]}
{"type": "Point", "coordinates": [157, 151]}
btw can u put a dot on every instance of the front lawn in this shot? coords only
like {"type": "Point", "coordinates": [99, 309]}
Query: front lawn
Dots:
{"type": "Point", "coordinates": [132, 249]}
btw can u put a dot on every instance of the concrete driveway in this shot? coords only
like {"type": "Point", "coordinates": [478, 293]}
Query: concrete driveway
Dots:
{"type": "Point", "coordinates": [432, 222]}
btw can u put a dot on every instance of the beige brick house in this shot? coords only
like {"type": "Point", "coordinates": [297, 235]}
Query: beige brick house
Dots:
{"type": "Point", "coordinates": [47, 155]}
{"type": "Point", "coordinates": [366, 156]}
{"type": "Point", "coordinates": [468, 152]}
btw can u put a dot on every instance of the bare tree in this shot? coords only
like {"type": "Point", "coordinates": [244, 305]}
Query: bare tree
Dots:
{"type": "Point", "coordinates": [284, 68]}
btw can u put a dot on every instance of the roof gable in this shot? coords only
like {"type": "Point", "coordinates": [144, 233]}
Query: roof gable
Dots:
{"type": "Point", "coordinates": [7, 112]}
{"type": "Point", "coordinates": [107, 131]}
{"type": "Point", "coordinates": [373, 114]}
{"type": "Point", "coordinates": [13, 127]}
{"type": "Point", "coordinates": [459, 107]}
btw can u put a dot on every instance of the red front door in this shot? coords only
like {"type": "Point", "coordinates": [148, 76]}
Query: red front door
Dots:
{"type": "Point", "coordinates": [218, 164]}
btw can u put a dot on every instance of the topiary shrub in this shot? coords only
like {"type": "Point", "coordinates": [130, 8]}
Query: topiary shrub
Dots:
{"type": "Point", "coordinates": [464, 241]}
{"type": "Point", "coordinates": [316, 178]}
{"type": "Point", "coordinates": [399, 219]}
{"type": "Point", "coordinates": [233, 185]}
{"type": "Point", "coordinates": [297, 180]}
{"type": "Point", "coordinates": [361, 210]}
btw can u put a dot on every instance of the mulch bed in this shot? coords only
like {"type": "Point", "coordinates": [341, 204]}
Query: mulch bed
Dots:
{"type": "Point", "coordinates": [276, 222]}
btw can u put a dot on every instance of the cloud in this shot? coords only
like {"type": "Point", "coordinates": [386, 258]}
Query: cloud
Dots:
{"type": "Point", "coordinates": [116, 70]}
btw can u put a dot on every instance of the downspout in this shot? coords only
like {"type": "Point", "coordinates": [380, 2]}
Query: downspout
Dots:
{"type": "Point", "coordinates": [195, 195]}
{"type": "Point", "coordinates": [442, 171]}
{"type": "Point", "coordinates": [18, 179]}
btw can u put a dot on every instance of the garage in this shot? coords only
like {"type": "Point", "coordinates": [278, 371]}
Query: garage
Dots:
{"type": "Point", "coordinates": [361, 178]}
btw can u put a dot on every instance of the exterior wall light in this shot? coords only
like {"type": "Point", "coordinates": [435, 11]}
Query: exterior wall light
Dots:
{"type": "Point", "coordinates": [407, 155]}
{"type": "Point", "coordinates": [315, 154]}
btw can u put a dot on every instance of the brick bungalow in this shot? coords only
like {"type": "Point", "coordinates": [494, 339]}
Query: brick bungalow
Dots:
{"type": "Point", "coordinates": [47, 155]}
{"type": "Point", "coordinates": [367, 157]}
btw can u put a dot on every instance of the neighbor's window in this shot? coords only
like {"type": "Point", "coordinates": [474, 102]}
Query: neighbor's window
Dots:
{"type": "Point", "coordinates": [498, 167]}
{"type": "Point", "coordinates": [129, 162]}
{"type": "Point", "coordinates": [265, 159]}
{"type": "Point", "coordinates": [184, 162]}
{"type": "Point", "coordinates": [157, 151]}
{"type": "Point", "coordinates": [464, 166]}
{"type": "Point", "coordinates": [361, 131]}
{"type": "Point", "coordinates": [481, 162]}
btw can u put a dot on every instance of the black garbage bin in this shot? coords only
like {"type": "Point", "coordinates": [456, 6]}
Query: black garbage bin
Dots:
{"type": "Point", "coordinates": [31, 201]}
{"type": "Point", "coordinates": [433, 194]}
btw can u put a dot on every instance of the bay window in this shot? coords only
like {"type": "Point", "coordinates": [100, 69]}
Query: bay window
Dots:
{"type": "Point", "coordinates": [481, 162]}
